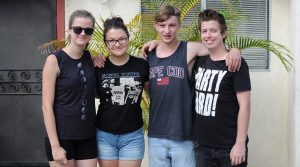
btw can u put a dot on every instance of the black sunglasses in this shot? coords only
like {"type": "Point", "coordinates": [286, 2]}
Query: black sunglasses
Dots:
{"type": "Point", "coordinates": [77, 30]}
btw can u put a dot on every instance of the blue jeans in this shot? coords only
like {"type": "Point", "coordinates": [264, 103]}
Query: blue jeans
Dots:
{"type": "Point", "coordinates": [171, 153]}
{"type": "Point", "coordinates": [129, 146]}
{"type": "Point", "coordinates": [214, 157]}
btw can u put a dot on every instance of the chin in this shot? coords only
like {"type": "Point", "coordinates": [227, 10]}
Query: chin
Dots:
{"type": "Point", "coordinates": [168, 41]}
{"type": "Point", "coordinates": [82, 42]}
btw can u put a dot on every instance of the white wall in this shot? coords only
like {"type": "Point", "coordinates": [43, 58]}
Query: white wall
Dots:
{"type": "Point", "coordinates": [272, 127]}
{"type": "Point", "coordinates": [126, 9]}
{"type": "Point", "coordinates": [272, 100]}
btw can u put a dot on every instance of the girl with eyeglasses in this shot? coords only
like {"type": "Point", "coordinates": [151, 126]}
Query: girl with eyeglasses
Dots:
{"type": "Point", "coordinates": [120, 134]}
{"type": "Point", "coordinates": [68, 98]}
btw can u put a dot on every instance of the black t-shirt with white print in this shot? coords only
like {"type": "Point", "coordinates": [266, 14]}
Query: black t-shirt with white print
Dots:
{"type": "Point", "coordinates": [215, 101]}
{"type": "Point", "coordinates": [120, 90]}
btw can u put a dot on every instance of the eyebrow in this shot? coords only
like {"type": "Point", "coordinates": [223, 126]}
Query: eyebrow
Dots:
{"type": "Point", "coordinates": [116, 38]}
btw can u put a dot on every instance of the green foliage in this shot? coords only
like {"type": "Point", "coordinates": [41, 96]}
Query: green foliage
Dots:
{"type": "Point", "coordinates": [141, 29]}
{"type": "Point", "coordinates": [282, 52]}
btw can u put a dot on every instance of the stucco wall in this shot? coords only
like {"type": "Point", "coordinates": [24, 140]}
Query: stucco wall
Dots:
{"type": "Point", "coordinates": [271, 100]}
{"type": "Point", "coordinates": [271, 126]}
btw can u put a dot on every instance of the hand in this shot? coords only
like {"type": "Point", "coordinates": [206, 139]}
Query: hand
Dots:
{"type": "Point", "coordinates": [59, 155]}
{"type": "Point", "coordinates": [233, 60]}
{"type": "Point", "coordinates": [238, 153]}
{"type": "Point", "coordinates": [149, 46]}
{"type": "Point", "coordinates": [99, 60]}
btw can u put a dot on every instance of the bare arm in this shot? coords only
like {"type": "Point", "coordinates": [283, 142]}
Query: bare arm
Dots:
{"type": "Point", "coordinates": [194, 49]}
{"type": "Point", "coordinates": [238, 151]}
{"type": "Point", "coordinates": [146, 88]}
{"type": "Point", "coordinates": [148, 47]}
{"type": "Point", "coordinates": [99, 60]}
{"type": "Point", "coordinates": [50, 72]}
{"type": "Point", "coordinates": [233, 59]}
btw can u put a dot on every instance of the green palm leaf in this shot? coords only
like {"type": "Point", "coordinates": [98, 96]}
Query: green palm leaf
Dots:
{"type": "Point", "coordinates": [282, 53]}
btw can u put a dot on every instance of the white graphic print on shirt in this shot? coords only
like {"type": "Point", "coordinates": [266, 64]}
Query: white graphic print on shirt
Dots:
{"type": "Point", "coordinates": [122, 90]}
{"type": "Point", "coordinates": [207, 88]}
{"type": "Point", "coordinates": [164, 79]}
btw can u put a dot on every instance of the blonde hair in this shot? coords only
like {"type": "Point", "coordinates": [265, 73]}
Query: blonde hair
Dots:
{"type": "Point", "coordinates": [165, 12]}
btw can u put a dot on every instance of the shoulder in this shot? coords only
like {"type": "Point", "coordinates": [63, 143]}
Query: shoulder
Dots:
{"type": "Point", "coordinates": [197, 49]}
{"type": "Point", "coordinates": [51, 59]}
{"type": "Point", "coordinates": [244, 64]}
{"type": "Point", "coordinates": [195, 45]}
{"type": "Point", "coordinates": [138, 60]}
{"type": "Point", "coordinates": [51, 65]}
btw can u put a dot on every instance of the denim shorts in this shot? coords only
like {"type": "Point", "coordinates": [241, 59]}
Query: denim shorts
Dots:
{"type": "Point", "coordinates": [129, 146]}
{"type": "Point", "coordinates": [171, 153]}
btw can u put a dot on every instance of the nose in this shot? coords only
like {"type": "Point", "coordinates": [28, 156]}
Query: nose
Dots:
{"type": "Point", "coordinates": [167, 29]}
{"type": "Point", "coordinates": [82, 32]}
{"type": "Point", "coordinates": [208, 34]}
{"type": "Point", "coordinates": [117, 43]}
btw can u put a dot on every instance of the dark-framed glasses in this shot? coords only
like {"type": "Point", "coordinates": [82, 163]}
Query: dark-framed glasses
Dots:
{"type": "Point", "coordinates": [77, 30]}
{"type": "Point", "coordinates": [121, 41]}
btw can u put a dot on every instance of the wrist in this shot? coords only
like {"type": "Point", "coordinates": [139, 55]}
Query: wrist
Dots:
{"type": "Point", "coordinates": [240, 142]}
{"type": "Point", "coordinates": [55, 146]}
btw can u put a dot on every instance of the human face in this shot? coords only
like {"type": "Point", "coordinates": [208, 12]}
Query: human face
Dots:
{"type": "Point", "coordinates": [82, 38]}
{"type": "Point", "coordinates": [117, 42]}
{"type": "Point", "coordinates": [167, 30]}
{"type": "Point", "coordinates": [211, 35]}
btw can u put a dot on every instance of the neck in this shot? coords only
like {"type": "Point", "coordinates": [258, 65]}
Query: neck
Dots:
{"type": "Point", "coordinates": [218, 54]}
{"type": "Point", "coordinates": [74, 51]}
{"type": "Point", "coordinates": [169, 46]}
{"type": "Point", "coordinates": [167, 49]}
{"type": "Point", "coordinates": [119, 60]}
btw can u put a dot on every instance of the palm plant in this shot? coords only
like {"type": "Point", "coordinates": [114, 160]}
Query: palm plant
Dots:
{"type": "Point", "coordinates": [142, 30]}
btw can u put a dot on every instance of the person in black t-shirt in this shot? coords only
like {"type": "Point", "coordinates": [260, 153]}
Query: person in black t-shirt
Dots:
{"type": "Point", "coordinates": [222, 100]}
{"type": "Point", "coordinates": [120, 133]}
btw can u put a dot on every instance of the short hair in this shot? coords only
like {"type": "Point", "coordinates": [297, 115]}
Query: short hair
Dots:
{"type": "Point", "coordinates": [165, 12]}
{"type": "Point", "coordinates": [116, 23]}
{"type": "Point", "coordinates": [210, 14]}
{"type": "Point", "coordinates": [81, 13]}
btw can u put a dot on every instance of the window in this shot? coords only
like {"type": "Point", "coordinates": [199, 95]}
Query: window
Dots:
{"type": "Point", "coordinates": [256, 25]}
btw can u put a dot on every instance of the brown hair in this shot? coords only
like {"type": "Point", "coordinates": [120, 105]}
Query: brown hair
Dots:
{"type": "Point", "coordinates": [165, 12]}
{"type": "Point", "coordinates": [81, 13]}
{"type": "Point", "coordinates": [114, 23]}
{"type": "Point", "coordinates": [210, 14]}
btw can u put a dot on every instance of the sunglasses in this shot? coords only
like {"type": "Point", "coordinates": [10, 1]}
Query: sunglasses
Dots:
{"type": "Point", "coordinates": [77, 30]}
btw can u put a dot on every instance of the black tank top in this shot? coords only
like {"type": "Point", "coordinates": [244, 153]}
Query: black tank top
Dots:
{"type": "Point", "coordinates": [74, 102]}
{"type": "Point", "coordinates": [170, 96]}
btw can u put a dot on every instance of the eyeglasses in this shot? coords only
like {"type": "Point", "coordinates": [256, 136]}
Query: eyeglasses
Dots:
{"type": "Point", "coordinates": [77, 30]}
{"type": "Point", "coordinates": [84, 93]}
{"type": "Point", "coordinates": [112, 42]}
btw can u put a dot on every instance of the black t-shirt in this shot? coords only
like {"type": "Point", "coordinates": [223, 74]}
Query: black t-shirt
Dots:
{"type": "Point", "coordinates": [120, 90]}
{"type": "Point", "coordinates": [216, 104]}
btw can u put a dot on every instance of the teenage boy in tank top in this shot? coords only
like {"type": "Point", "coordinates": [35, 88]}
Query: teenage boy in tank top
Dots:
{"type": "Point", "coordinates": [170, 117]}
